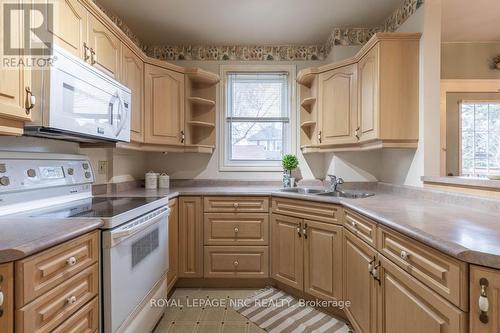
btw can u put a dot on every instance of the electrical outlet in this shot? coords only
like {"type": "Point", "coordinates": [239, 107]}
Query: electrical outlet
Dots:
{"type": "Point", "coordinates": [102, 167]}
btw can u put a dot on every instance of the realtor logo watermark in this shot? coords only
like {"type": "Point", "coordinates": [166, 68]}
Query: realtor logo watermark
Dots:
{"type": "Point", "coordinates": [26, 34]}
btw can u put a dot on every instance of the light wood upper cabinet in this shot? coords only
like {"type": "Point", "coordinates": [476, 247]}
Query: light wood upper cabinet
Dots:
{"type": "Point", "coordinates": [287, 250]}
{"type": "Point", "coordinates": [13, 83]}
{"type": "Point", "coordinates": [323, 260]}
{"type": "Point", "coordinates": [406, 305]}
{"type": "Point", "coordinates": [105, 47]}
{"type": "Point", "coordinates": [173, 242]}
{"type": "Point", "coordinates": [368, 77]}
{"type": "Point", "coordinates": [69, 26]}
{"type": "Point", "coordinates": [484, 284]}
{"type": "Point", "coordinates": [359, 284]}
{"type": "Point", "coordinates": [132, 76]}
{"type": "Point", "coordinates": [164, 106]}
{"type": "Point", "coordinates": [190, 237]}
{"type": "Point", "coordinates": [338, 100]}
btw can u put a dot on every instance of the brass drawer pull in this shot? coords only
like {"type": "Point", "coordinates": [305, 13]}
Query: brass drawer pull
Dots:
{"type": "Point", "coordinates": [370, 265]}
{"type": "Point", "coordinates": [236, 205]}
{"type": "Point", "coordinates": [304, 231]}
{"type": "Point", "coordinates": [1, 298]}
{"type": "Point", "coordinates": [236, 263]}
{"type": "Point", "coordinates": [71, 261]}
{"type": "Point", "coordinates": [298, 230]}
{"type": "Point", "coordinates": [71, 300]}
{"type": "Point", "coordinates": [484, 304]}
{"type": "Point", "coordinates": [236, 229]}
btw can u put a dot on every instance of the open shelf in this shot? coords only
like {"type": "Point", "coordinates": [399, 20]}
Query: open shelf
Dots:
{"type": "Point", "coordinates": [201, 101]}
{"type": "Point", "coordinates": [306, 77]}
{"type": "Point", "coordinates": [200, 76]}
{"type": "Point", "coordinates": [307, 124]}
{"type": "Point", "coordinates": [307, 103]}
{"type": "Point", "coordinates": [201, 124]}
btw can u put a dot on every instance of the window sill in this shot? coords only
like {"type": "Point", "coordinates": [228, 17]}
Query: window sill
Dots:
{"type": "Point", "coordinates": [250, 168]}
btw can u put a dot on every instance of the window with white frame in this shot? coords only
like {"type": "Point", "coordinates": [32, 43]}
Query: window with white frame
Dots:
{"type": "Point", "coordinates": [479, 138]}
{"type": "Point", "coordinates": [256, 120]}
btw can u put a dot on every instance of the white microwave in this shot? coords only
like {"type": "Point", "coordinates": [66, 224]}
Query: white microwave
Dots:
{"type": "Point", "coordinates": [79, 103]}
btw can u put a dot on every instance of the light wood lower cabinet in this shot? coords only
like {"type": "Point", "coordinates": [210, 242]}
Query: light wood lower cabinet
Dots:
{"type": "Point", "coordinates": [85, 320]}
{"type": "Point", "coordinates": [231, 204]}
{"type": "Point", "coordinates": [287, 250]}
{"type": "Point", "coordinates": [236, 261]}
{"type": "Point", "coordinates": [173, 243]}
{"type": "Point", "coordinates": [406, 305]}
{"type": "Point", "coordinates": [484, 284]}
{"type": "Point", "coordinates": [190, 237]}
{"type": "Point", "coordinates": [359, 285]}
{"type": "Point", "coordinates": [310, 210]}
{"type": "Point", "coordinates": [7, 297]}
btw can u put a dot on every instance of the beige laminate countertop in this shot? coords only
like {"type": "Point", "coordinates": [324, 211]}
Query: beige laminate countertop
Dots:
{"type": "Point", "coordinates": [470, 235]}
{"type": "Point", "coordinates": [21, 237]}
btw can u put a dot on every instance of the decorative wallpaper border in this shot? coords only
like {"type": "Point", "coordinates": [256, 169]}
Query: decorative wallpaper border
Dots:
{"type": "Point", "coordinates": [339, 36]}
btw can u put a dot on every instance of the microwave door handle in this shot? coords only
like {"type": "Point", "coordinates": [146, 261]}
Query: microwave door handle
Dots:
{"type": "Point", "coordinates": [122, 108]}
{"type": "Point", "coordinates": [123, 234]}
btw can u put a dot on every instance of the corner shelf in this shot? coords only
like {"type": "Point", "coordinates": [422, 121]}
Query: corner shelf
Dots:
{"type": "Point", "coordinates": [307, 124]}
{"type": "Point", "coordinates": [306, 77]}
{"type": "Point", "coordinates": [201, 101]}
{"type": "Point", "coordinates": [307, 103]}
{"type": "Point", "coordinates": [201, 123]}
{"type": "Point", "coordinates": [200, 76]}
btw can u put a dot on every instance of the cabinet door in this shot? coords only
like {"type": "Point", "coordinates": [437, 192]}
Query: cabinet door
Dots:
{"type": "Point", "coordinates": [359, 285]}
{"type": "Point", "coordinates": [190, 237]}
{"type": "Point", "coordinates": [323, 260]}
{"type": "Point", "coordinates": [106, 47]}
{"type": "Point", "coordinates": [69, 25]}
{"type": "Point", "coordinates": [132, 76]}
{"type": "Point", "coordinates": [484, 281]}
{"type": "Point", "coordinates": [173, 242]}
{"type": "Point", "coordinates": [406, 305]}
{"type": "Point", "coordinates": [7, 295]}
{"type": "Point", "coordinates": [287, 250]}
{"type": "Point", "coordinates": [13, 82]}
{"type": "Point", "coordinates": [368, 78]}
{"type": "Point", "coordinates": [164, 108]}
{"type": "Point", "coordinates": [338, 106]}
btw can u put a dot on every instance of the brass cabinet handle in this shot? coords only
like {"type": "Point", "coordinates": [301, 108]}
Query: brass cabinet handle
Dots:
{"type": "Point", "coordinates": [484, 304]}
{"type": "Point", "coordinates": [71, 300]}
{"type": "Point", "coordinates": [183, 137]}
{"type": "Point", "coordinates": [93, 57]}
{"type": "Point", "coordinates": [370, 265]}
{"type": "Point", "coordinates": [376, 272]}
{"type": "Point", "coordinates": [304, 231]}
{"type": "Point", "coordinates": [404, 255]}
{"type": "Point", "coordinates": [236, 229]}
{"type": "Point", "coordinates": [1, 298]}
{"type": "Point", "coordinates": [236, 263]}
{"type": "Point", "coordinates": [30, 100]}
{"type": "Point", "coordinates": [319, 136]}
{"type": "Point", "coordinates": [236, 205]}
{"type": "Point", "coordinates": [298, 229]}
{"type": "Point", "coordinates": [86, 52]}
{"type": "Point", "coordinates": [356, 133]}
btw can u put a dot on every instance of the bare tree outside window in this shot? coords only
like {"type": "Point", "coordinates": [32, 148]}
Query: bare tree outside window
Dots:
{"type": "Point", "coordinates": [257, 116]}
{"type": "Point", "coordinates": [480, 138]}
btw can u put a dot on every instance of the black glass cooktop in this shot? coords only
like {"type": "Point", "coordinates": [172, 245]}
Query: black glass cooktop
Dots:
{"type": "Point", "coordinates": [96, 207]}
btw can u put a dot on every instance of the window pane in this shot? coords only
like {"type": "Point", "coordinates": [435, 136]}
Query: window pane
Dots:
{"type": "Point", "coordinates": [481, 115]}
{"type": "Point", "coordinates": [467, 117]}
{"type": "Point", "coordinates": [257, 141]}
{"type": "Point", "coordinates": [258, 95]}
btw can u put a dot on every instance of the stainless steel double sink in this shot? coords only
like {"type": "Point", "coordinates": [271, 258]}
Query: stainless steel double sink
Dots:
{"type": "Point", "coordinates": [326, 193]}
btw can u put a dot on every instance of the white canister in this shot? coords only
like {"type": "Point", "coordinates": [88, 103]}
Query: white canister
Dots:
{"type": "Point", "coordinates": [151, 180]}
{"type": "Point", "coordinates": [164, 181]}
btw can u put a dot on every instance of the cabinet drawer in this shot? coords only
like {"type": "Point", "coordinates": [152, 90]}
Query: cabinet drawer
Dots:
{"type": "Point", "coordinates": [308, 210]}
{"type": "Point", "coordinates": [84, 320]}
{"type": "Point", "coordinates": [443, 274]}
{"type": "Point", "coordinates": [231, 204]}
{"type": "Point", "coordinates": [48, 311]}
{"type": "Point", "coordinates": [236, 228]}
{"type": "Point", "coordinates": [237, 261]}
{"type": "Point", "coordinates": [42, 272]}
{"type": "Point", "coordinates": [361, 227]}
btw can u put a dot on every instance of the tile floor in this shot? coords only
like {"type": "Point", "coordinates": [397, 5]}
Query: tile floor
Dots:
{"type": "Point", "coordinates": [185, 317]}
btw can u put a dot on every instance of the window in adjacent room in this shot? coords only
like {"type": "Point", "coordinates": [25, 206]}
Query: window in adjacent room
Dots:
{"type": "Point", "coordinates": [479, 138]}
{"type": "Point", "coordinates": [256, 119]}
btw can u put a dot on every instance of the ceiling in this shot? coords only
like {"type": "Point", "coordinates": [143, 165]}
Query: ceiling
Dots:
{"type": "Point", "coordinates": [246, 22]}
{"type": "Point", "coordinates": [470, 20]}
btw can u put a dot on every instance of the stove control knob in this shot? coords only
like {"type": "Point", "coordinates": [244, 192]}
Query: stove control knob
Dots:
{"type": "Point", "coordinates": [3, 168]}
{"type": "Point", "coordinates": [88, 174]}
{"type": "Point", "coordinates": [71, 171]}
{"type": "Point", "coordinates": [85, 166]}
{"type": "Point", "coordinates": [31, 173]}
{"type": "Point", "coordinates": [4, 181]}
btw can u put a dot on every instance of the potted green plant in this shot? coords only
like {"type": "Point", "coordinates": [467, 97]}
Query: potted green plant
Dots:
{"type": "Point", "coordinates": [289, 163]}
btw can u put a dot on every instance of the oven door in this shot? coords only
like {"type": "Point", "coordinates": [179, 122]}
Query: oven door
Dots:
{"type": "Point", "coordinates": [135, 259]}
{"type": "Point", "coordinates": [86, 101]}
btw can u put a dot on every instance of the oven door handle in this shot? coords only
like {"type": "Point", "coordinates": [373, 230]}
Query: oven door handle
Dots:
{"type": "Point", "coordinates": [126, 232]}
